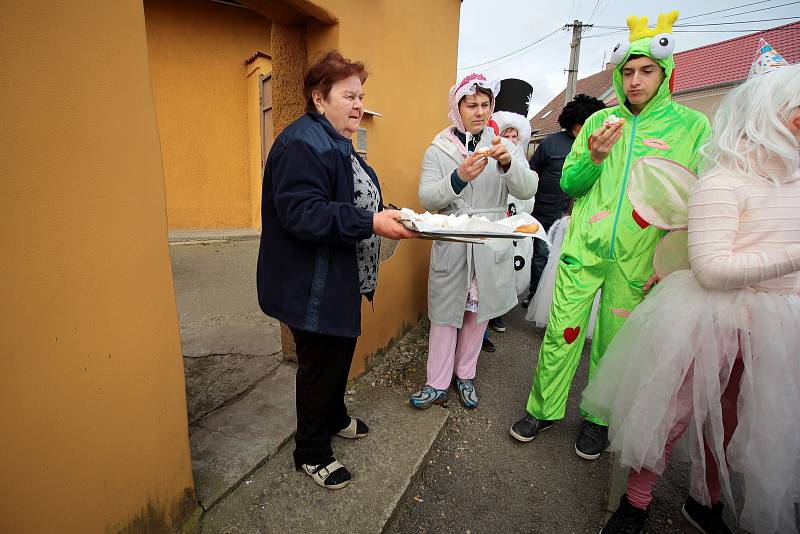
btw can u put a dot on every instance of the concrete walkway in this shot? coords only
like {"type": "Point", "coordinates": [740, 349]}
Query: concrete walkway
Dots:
{"type": "Point", "coordinates": [225, 235]}
{"type": "Point", "coordinates": [240, 397]}
{"type": "Point", "coordinates": [278, 499]}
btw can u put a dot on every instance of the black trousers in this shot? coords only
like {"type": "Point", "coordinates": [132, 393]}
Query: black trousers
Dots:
{"type": "Point", "coordinates": [323, 365]}
{"type": "Point", "coordinates": [538, 263]}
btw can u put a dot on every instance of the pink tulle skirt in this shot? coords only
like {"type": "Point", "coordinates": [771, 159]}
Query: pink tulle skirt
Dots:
{"type": "Point", "coordinates": [671, 362]}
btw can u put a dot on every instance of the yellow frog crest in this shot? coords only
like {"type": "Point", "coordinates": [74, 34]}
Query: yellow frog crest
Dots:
{"type": "Point", "coordinates": [657, 42]}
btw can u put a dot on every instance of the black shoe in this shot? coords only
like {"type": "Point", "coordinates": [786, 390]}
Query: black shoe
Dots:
{"type": "Point", "coordinates": [526, 301]}
{"type": "Point", "coordinates": [592, 440]}
{"type": "Point", "coordinates": [497, 324]}
{"type": "Point", "coordinates": [488, 346]}
{"type": "Point", "coordinates": [528, 427]}
{"type": "Point", "coordinates": [329, 474]}
{"type": "Point", "coordinates": [626, 520]}
{"type": "Point", "coordinates": [706, 520]}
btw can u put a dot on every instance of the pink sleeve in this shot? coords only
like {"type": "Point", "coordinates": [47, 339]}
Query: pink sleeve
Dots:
{"type": "Point", "coordinates": [713, 226]}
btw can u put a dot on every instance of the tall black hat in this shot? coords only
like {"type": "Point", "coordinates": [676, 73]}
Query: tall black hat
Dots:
{"type": "Point", "coordinates": [514, 96]}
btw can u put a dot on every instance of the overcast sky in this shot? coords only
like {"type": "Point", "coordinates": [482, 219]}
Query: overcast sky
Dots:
{"type": "Point", "coordinates": [490, 30]}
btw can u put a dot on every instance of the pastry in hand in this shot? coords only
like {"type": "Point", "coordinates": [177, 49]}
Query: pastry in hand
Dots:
{"type": "Point", "coordinates": [612, 119]}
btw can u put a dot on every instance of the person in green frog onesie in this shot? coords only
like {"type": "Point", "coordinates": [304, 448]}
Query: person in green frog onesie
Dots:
{"type": "Point", "coordinates": [608, 246]}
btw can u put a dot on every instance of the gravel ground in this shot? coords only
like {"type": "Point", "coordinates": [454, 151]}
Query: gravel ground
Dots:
{"type": "Point", "coordinates": [477, 478]}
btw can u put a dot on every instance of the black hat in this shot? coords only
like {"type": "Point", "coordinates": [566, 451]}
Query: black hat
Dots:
{"type": "Point", "coordinates": [514, 96]}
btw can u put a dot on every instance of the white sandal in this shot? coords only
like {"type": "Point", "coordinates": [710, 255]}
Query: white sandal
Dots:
{"type": "Point", "coordinates": [321, 473]}
{"type": "Point", "coordinates": [351, 430]}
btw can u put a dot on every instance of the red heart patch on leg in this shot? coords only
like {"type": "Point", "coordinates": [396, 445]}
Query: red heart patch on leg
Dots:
{"type": "Point", "coordinates": [571, 334]}
{"type": "Point", "coordinates": [641, 222]}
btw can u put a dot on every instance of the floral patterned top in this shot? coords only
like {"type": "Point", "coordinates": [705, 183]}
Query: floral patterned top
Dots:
{"type": "Point", "coordinates": [366, 197]}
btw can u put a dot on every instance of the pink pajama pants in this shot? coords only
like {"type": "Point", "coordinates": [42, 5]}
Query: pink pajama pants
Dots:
{"type": "Point", "coordinates": [452, 350]}
{"type": "Point", "coordinates": [641, 484]}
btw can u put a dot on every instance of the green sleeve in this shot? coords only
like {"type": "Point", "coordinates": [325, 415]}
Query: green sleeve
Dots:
{"type": "Point", "coordinates": [580, 172]}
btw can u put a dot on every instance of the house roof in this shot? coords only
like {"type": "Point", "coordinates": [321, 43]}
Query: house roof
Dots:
{"type": "Point", "coordinates": [725, 62]}
{"type": "Point", "coordinates": [546, 120]}
{"type": "Point", "coordinates": [729, 61]}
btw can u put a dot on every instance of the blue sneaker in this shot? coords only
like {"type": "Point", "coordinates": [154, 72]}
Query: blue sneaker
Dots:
{"type": "Point", "coordinates": [428, 396]}
{"type": "Point", "coordinates": [467, 393]}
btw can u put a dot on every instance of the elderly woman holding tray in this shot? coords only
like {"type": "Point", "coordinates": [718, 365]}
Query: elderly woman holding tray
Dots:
{"type": "Point", "coordinates": [322, 212]}
{"type": "Point", "coordinates": [468, 170]}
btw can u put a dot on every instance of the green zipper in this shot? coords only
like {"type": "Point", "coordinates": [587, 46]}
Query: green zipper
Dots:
{"type": "Point", "coordinates": [624, 188]}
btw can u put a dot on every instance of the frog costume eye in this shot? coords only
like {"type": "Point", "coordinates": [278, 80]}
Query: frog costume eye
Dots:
{"type": "Point", "coordinates": [619, 52]}
{"type": "Point", "coordinates": [662, 45]}
{"type": "Point", "coordinates": [658, 40]}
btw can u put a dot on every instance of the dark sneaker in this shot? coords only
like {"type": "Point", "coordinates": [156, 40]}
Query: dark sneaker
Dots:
{"type": "Point", "coordinates": [427, 397]}
{"type": "Point", "coordinates": [626, 520]}
{"type": "Point", "coordinates": [592, 441]}
{"type": "Point", "coordinates": [488, 346]}
{"type": "Point", "coordinates": [528, 427]}
{"type": "Point", "coordinates": [497, 324]}
{"type": "Point", "coordinates": [526, 301]}
{"type": "Point", "coordinates": [467, 393]}
{"type": "Point", "coordinates": [706, 520]}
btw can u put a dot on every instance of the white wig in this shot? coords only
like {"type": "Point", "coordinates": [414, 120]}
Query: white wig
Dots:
{"type": "Point", "coordinates": [750, 132]}
{"type": "Point", "coordinates": [506, 119]}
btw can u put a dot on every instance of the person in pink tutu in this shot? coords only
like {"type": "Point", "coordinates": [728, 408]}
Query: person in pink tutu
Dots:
{"type": "Point", "coordinates": [714, 352]}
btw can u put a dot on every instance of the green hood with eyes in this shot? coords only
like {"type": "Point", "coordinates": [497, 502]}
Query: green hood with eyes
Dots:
{"type": "Point", "coordinates": [650, 42]}
{"type": "Point", "coordinates": [604, 223]}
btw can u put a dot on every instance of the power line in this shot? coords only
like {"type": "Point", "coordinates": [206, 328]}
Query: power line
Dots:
{"type": "Point", "coordinates": [738, 22]}
{"type": "Point", "coordinates": [571, 8]}
{"type": "Point", "coordinates": [606, 34]}
{"type": "Point", "coordinates": [512, 53]}
{"type": "Point", "coordinates": [596, 4]}
{"type": "Point", "coordinates": [755, 10]}
{"type": "Point", "coordinates": [726, 9]}
{"type": "Point", "coordinates": [603, 10]}
{"type": "Point", "coordinates": [580, 5]}
{"type": "Point", "coordinates": [623, 29]}
{"type": "Point", "coordinates": [708, 23]}
{"type": "Point", "coordinates": [753, 30]}
{"type": "Point", "coordinates": [712, 23]}
{"type": "Point", "coordinates": [555, 40]}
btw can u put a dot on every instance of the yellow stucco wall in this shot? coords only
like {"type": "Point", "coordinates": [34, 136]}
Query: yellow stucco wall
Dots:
{"type": "Point", "coordinates": [200, 82]}
{"type": "Point", "coordinates": [94, 429]}
{"type": "Point", "coordinates": [411, 70]}
{"type": "Point", "coordinates": [412, 66]}
{"type": "Point", "coordinates": [289, 63]}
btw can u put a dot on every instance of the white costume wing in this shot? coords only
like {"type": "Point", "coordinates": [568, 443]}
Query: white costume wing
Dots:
{"type": "Point", "coordinates": [672, 253]}
{"type": "Point", "coordinates": [659, 193]}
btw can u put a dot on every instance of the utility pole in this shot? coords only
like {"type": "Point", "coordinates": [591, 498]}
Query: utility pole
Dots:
{"type": "Point", "coordinates": [574, 56]}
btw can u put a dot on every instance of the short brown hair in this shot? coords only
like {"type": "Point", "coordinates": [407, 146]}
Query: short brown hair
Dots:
{"type": "Point", "coordinates": [326, 71]}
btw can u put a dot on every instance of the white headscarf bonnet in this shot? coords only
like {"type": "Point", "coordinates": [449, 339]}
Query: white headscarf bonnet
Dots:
{"type": "Point", "coordinates": [468, 86]}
